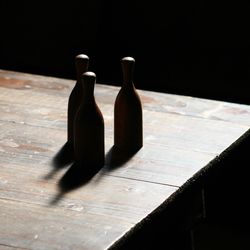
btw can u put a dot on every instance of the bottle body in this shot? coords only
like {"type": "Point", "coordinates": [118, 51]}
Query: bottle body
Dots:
{"type": "Point", "coordinates": [128, 120]}
{"type": "Point", "coordinates": [76, 95]}
{"type": "Point", "coordinates": [89, 131]}
{"type": "Point", "coordinates": [128, 129]}
{"type": "Point", "coordinates": [73, 105]}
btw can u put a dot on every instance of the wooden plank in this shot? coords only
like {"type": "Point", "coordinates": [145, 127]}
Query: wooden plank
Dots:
{"type": "Point", "coordinates": [37, 144]}
{"type": "Point", "coordinates": [4, 247]}
{"type": "Point", "coordinates": [196, 107]}
{"type": "Point", "coordinates": [166, 137]}
{"type": "Point", "coordinates": [45, 115]}
{"type": "Point", "coordinates": [184, 105]}
{"type": "Point", "coordinates": [161, 125]}
{"type": "Point", "coordinates": [35, 227]}
{"type": "Point", "coordinates": [158, 161]}
{"type": "Point", "coordinates": [107, 195]}
{"type": "Point", "coordinates": [90, 217]}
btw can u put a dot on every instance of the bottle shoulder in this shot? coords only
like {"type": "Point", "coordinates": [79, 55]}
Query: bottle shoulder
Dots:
{"type": "Point", "coordinates": [128, 95]}
{"type": "Point", "coordinates": [76, 92]}
{"type": "Point", "coordinates": [91, 111]}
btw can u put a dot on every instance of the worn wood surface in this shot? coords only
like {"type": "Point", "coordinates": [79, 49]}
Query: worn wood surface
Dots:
{"type": "Point", "coordinates": [181, 135]}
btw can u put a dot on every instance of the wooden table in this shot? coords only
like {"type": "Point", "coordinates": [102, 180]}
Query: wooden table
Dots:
{"type": "Point", "coordinates": [181, 136]}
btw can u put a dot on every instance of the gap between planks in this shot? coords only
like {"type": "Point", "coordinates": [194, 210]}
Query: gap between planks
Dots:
{"type": "Point", "coordinates": [12, 247]}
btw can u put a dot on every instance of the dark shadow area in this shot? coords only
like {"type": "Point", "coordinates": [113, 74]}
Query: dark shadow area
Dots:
{"type": "Point", "coordinates": [116, 158]}
{"type": "Point", "coordinates": [179, 48]}
{"type": "Point", "coordinates": [210, 211]}
{"type": "Point", "coordinates": [63, 158]}
{"type": "Point", "coordinates": [216, 235]}
{"type": "Point", "coordinates": [79, 175]}
{"type": "Point", "coordinates": [75, 177]}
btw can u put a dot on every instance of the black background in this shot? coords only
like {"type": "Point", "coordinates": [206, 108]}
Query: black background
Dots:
{"type": "Point", "coordinates": [198, 48]}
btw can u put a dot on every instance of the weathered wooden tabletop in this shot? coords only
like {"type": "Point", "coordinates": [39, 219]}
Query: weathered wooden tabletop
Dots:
{"type": "Point", "coordinates": [181, 136]}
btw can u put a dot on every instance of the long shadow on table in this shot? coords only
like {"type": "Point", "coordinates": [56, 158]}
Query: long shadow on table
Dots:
{"type": "Point", "coordinates": [62, 158]}
{"type": "Point", "coordinates": [75, 177]}
{"type": "Point", "coordinates": [116, 158]}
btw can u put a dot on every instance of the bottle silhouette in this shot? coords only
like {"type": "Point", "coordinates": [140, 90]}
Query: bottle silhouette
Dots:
{"type": "Point", "coordinates": [75, 98]}
{"type": "Point", "coordinates": [128, 129]}
{"type": "Point", "coordinates": [89, 127]}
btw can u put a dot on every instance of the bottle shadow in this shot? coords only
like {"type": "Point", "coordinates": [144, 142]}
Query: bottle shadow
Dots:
{"type": "Point", "coordinates": [62, 158]}
{"type": "Point", "coordinates": [75, 177]}
{"type": "Point", "coordinates": [79, 175]}
{"type": "Point", "coordinates": [116, 158]}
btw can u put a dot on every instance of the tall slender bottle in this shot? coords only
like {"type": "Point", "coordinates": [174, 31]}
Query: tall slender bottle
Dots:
{"type": "Point", "coordinates": [128, 127]}
{"type": "Point", "coordinates": [89, 127]}
{"type": "Point", "coordinates": [75, 98]}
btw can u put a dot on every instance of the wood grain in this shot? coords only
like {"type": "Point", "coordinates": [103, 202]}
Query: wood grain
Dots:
{"type": "Point", "coordinates": [181, 135]}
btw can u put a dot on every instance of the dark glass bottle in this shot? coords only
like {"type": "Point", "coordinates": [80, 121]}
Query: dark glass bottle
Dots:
{"type": "Point", "coordinates": [89, 127]}
{"type": "Point", "coordinates": [75, 98]}
{"type": "Point", "coordinates": [128, 128]}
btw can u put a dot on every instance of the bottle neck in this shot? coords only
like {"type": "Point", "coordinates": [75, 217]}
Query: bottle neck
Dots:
{"type": "Point", "coordinates": [88, 94]}
{"type": "Point", "coordinates": [128, 78]}
{"type": "Point", "coordinates": [81, 67]}
{"type": "Point", "coordinates": [128, 85]}
{"type": "Point", "coordinates": [128, 72]}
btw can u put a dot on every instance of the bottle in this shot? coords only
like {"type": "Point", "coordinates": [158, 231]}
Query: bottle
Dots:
{"type": "Point", "coordinates": [128, 128]}
{"type": "Point", "coordinates": [89, 128]}
{"type": "Point", "coordinates": [81, 63]}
